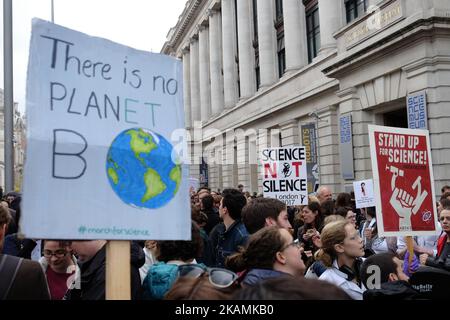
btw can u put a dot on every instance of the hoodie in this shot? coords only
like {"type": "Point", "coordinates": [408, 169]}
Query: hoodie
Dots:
{"type": "Point", "coordinates": [159, 280]}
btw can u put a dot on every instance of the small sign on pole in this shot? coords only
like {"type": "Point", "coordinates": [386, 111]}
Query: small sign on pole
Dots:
{"type": "Point", "coordinates": [416, 105]}
{"type": "Point", "coordinates": [346, 146]}
{"type": "Point", "coordinates": [284, 174]}
{"type": "Point", "coordinates": [363, 190]}
{"type": "Point", "coordinates": [309, 141]}
{"type": "Point", "coordinates": [403, 181]}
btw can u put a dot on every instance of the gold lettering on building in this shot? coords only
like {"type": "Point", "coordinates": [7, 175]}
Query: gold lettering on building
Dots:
{"type": "Point", "coordinates": [373, 23]}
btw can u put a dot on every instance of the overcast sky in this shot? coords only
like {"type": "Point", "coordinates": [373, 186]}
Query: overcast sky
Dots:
{"type": "Point", "coordinates": [141, 24]}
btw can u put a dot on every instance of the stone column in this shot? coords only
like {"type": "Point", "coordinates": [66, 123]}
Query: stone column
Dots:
{"type": "Point", "coordinates": [330, 19]}
{"type": "Point", "coordinates": [205, 83]}
{"type": "Point", "coordinates": [195, 153]}
{"type": "Point", "coordinates": [243, 165]}
{"type": "Point", "coordinates": [267, 41]}
{"type": "Point", "coordinates": [420, 76]}
{"type": "Point", "coordinates": [295, 34]}
{"type": "Point", "coordinates": [230, 75]}
{"type": "Point", "coordinates": [350, 103]}
{"type": "Point", "coordinates": [290, 133]}
{"type": "Point", "coordinates": [195, 84]}
{"type": "Point", "coordinates": [328, 148]}
{"type": "Point", "coordinates": [228, 165]}
{"type": "Point", "coordinates": [212, 166]}
{"type": "Point", "coordinates": [187, 87]}
{"type": "Point", "coordinates": [246, 52]}
{"type": "Point", "coordinates": [215, 56]}
{"type": "Point", "coordinates": [253, 161]}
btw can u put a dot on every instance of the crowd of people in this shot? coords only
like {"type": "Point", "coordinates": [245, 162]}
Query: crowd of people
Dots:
{"type": "Point", "coordinates": [243, 246]}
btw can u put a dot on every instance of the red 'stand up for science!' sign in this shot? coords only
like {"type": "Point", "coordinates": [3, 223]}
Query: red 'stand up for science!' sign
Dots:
{"type": "Point", "coordinates": [403, 181]}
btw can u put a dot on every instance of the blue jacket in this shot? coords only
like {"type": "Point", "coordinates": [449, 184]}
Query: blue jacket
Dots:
{"type": "Point", "coordinates": [225, 242]}
{"type": "Point", "coordinates": [256, 275]}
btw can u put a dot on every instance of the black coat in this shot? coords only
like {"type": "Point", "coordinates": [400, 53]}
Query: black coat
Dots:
{"type": "Point", "coordinates": [30, 282]}
{"type": "Point", "coordinates": [213, 220]}
{"type": "Point", "coordinates": [395, 290]}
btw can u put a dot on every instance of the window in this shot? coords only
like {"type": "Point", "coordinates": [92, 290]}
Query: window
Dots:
{"type": "Point", "coordinates": [355, 9]}
{"type": "Point", "coordinates": [281, 55]}
{"type": "Point", "coordinates": [397, 118]}
{"type": "Point", "coordinates": [278, 9]}
{"type": "Point", "coordinates": [257, 70]}
{"type": "Point", "coordinates": [255, 44]}
{"type": "Point", "coordinates": [255, 20]}
{"type": "Point", "coordinates": [279, 26]}
{"type": "Point", "coordinates": [237, 49]}
{"type": "Point", "coordinates": [313, 31]}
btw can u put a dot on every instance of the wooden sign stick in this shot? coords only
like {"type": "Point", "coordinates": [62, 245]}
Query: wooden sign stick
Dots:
{"type": "Point", "coordinates": [118, 285]}
{"type": "Point", "coordinates": [410, 248]}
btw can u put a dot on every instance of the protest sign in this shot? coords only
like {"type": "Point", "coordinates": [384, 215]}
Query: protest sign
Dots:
{"type": "Point", "coordinates": [309, 141]}
{"type": "Point", "coordinates": [194, 184]}
{"type": "Point", "coordinates": [363, 190]}
{"type": "Point", "coordinates": [101, 161]}
{"type": "Point", "coordinates": [403, 181]}
{"type": "Point", "coordinates": [285, 176]}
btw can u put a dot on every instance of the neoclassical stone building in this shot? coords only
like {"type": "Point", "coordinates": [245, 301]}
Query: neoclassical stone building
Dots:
{"type": "Point", "coordinates": [19, 143]}
{"type": "Point", "coordinates": [263, 73]}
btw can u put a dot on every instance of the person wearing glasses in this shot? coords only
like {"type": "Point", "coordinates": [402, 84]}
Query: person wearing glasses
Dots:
{"type": "Point", "coordinates": [348, 214]}
{"type": "Point", "coordinates": [59, 266]}
{"type": "Point", "coordinates": [341, 250]}
{"type": "Point", "coordinates": [271, 252]}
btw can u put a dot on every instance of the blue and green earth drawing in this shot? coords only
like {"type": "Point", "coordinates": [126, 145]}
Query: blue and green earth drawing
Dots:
{"type": "Point", "coordinates": [140, 168]}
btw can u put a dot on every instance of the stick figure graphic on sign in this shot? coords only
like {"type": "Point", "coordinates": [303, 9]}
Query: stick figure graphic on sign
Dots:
{"type": "Point", "coordinates": [404, 203]}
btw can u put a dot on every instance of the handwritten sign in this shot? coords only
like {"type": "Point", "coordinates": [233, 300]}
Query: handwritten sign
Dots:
{"type": "Point", "coordinates": [101, 163]}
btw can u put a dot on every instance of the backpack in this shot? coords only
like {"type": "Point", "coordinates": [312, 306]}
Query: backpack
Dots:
{"type": "Point", "coordinates": [9, 266]}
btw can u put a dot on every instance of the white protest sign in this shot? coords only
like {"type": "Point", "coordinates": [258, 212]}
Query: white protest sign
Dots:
{"type": "Point", "coordinates": [364, 196]}
{"type": "Point", "coordinates": [194, 184]}
{"type": "Point", "coordinates": [101, 161]}
{"type": "Point", "coordinates": [285, 175]}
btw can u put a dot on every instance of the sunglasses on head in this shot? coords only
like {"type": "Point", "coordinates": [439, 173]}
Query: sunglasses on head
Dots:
{"type": "Point", "coordinates": [218, 277]}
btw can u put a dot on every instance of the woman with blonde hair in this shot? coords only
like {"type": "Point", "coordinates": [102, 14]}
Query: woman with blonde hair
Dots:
{"type": "Point", "coordinates": [341, 252]}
